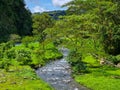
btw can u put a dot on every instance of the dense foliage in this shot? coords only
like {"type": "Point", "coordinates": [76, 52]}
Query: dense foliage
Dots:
{"type": "Point", "coordinates": [31, 54]}
{"type": "Point", "coordinates": [90, 27]}
{"type": "Point", "coordinates": [91, 30]}
{"type": "Point", "coordinates": [98, 22]}
{"type": "Point", "coordinates": [108, 20]}
{"type": "Point", "coordinates": [40, 23]}
{"type": "Point", "coordinates": [14, 19]}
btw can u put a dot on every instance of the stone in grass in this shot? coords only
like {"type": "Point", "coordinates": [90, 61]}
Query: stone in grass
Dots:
{"type": "Point", "coordinates": [13, 83]}
{"type": "Point", "coordinates": [118, 65]}
{"type": "Point", "coordinates": [32, 78]}
{"type": "Point", "coordinates": [25, 77]}
{"type": "Point", "coordinates": [102, 61]}
{"type": "Point", "coordinates": [106, 62]}
{"type": "Point", "coordinates": [2, 75]}
{"type": "Point", "coordinates": [11, 70]}
{"type": "Point", "coordinates": [116, 77]}
{"type": "Point", "coordinates": [2, 81]}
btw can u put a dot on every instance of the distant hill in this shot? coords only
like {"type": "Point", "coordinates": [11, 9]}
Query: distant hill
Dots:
{"type": "Point", "coordinates": [56, 14]}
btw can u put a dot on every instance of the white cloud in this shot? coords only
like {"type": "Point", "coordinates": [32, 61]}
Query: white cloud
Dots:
{"type": "Point", "coordinates": [60, 2]}
{"type": "Point", "coordinates": [39, 9]}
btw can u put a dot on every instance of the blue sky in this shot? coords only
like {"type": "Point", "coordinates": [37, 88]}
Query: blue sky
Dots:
{"type": "Point", "coordinates": [45, 5]}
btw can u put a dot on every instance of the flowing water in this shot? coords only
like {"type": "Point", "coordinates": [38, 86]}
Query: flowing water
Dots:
{"type": "Point", "coordinates": [58, 74]}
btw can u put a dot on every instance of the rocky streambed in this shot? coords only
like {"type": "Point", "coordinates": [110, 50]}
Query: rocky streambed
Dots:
{"type": "Point", "coordinates": [58, 74]}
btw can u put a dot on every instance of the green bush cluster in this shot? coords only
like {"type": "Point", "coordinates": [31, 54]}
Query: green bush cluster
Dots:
{"type": "Point", "coordinates": [75, 59]}
{"type": "Point", "coordinates": [114, 59]}
{"type": "Point", "coordinates": [33, 54]}
{"type": "Point", "coordinates": [5, 54]}
{"type": "Point", "coordinates": [24, 57]}
{"type": "Point", "coordinates": [26, 40]}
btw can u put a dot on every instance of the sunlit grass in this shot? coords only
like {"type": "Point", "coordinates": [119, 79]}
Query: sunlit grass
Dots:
{"type": "Point", "coordinates": [21, 78]}
{"type": "Point", "coordinates": [99, 77]}
{"type": "Point", "coordinates": [98, 82]}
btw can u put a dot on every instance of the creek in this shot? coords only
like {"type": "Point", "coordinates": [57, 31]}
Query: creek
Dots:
{"type": "Point", "coordinates": [58, 74]}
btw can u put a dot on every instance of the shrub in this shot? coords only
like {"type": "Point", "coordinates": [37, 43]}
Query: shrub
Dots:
{"type": "Point", "coordinates": [11, 54]}
{"type": "Point", "coordinates": [6, 46]}
{"type": "Point", "coordinates": [114, 59]}
{"type": "Point", "coordinates": [75, 59]}
{"type": "Point", "coordinates": [57, 42]}
{"type": "Point", "coordinates": [24, 57]}
{"type": "Point", "coordinates": [5, 63]}
{"type": "Point", "coordinates": [26, 40]}
{"type": "Point", "coordinates": [118, 58]}
{"type": "Point", "coordinates": [1, 54]}
{"type": "Point", "coordinates": [14, 37]}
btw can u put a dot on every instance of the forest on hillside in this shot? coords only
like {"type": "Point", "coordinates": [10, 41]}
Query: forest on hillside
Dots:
{"type": "Point", "coordinates": [14, 19]}
{"type": "Point", "coordinates": [90, 29]}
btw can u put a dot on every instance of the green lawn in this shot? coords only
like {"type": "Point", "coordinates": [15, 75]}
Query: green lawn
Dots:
{"type": "Point", "coordinates": [21, 78]}
{"type": "Point", "coordinates": [99, 77]}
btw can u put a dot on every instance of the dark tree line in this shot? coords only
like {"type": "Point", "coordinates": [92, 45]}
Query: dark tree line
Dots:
{"type": "Point", "coordinates": [14, 19]}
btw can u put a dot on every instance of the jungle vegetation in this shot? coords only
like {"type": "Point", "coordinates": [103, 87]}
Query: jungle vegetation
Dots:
{"type": "Point", "coordinates": [90, 29]}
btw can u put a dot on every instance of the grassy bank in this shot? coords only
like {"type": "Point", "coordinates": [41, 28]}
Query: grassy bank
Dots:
{"type": "Point", "coordinates": [21, 78]}
{"type": "Point", "coordinates": [99, 77]}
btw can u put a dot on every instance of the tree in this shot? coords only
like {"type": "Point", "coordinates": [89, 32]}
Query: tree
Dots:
{"type": "Point", "coordinates": [14, 19]}
{"type": "Point", "coordinates": [15, 38]}
{"type": "Point", "coordinates": [89, 26]}
{"type": "Point", "coordinates": [78, 7]}
{"type": "Point", "coordinates": [73, 31]}
{"type": "Point", "coordinates": [40, 23]}
{"type": "Point", "coordinates": [108, 13]}
{"type": "Point", "coordinates": [23, 20]}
